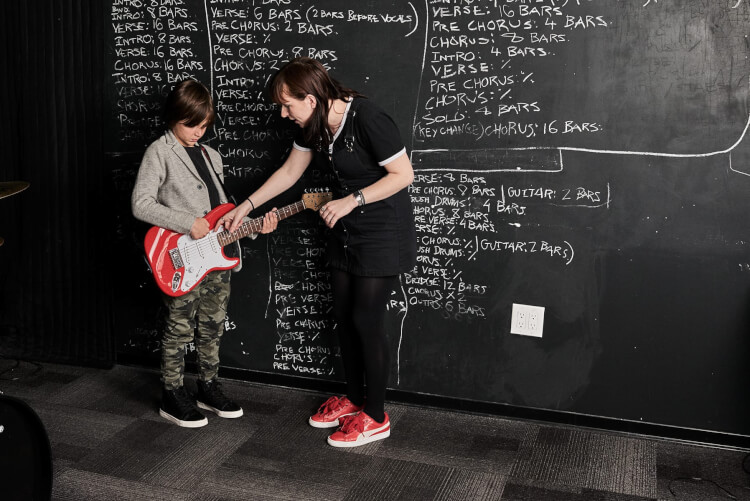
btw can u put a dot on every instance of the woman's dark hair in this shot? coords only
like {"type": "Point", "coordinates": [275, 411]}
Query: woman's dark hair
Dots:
{"type": "Point", "coordinates": [303, 76]}
{"type": "Point", "coordinates": [189, 102]}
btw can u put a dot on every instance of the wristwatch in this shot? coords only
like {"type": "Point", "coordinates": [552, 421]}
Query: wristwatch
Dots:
{"type": "Point", "coordinates": [359, 197]}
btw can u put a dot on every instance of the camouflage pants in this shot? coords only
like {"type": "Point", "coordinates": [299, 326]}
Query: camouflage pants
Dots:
{"type": "Point", "coordinates": [198, 315]}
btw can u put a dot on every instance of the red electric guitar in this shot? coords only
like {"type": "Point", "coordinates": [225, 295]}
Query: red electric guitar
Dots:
{"type": "Point", "coordinates": [179, 263]}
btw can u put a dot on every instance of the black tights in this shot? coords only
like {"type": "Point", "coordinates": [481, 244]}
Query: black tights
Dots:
{"type": "Point", "coordinates": [359, 307]}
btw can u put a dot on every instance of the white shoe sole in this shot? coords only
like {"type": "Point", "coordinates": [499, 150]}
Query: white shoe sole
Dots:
{"type": "Point", "coordinates": [185, 424]}
{"type": "Point", "coordinates": [362, 440]}
{"type": "Point", "coordinates": [328, 424]}
{"type": "Point", "coordinates": [224, 414]}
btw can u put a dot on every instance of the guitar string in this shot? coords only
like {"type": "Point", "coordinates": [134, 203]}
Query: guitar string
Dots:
{"type": "Point", "coordinates": [254, 225]}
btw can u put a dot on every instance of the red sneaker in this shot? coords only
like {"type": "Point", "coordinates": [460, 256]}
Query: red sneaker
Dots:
{"type": "Point", "coordinates": [360, 429]}
{"type": "Point", "coordinates": [332, 409]}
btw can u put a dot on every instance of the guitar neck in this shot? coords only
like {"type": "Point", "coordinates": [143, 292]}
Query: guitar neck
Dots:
{"type": "Point", "coordinates": [255, 225]}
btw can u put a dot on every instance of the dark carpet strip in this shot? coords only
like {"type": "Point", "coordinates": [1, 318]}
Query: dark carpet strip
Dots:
{"type": "Point", "coordinates": [109, 443]}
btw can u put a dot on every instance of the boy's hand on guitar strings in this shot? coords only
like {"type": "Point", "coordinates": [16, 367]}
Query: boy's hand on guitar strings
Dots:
{"type": "Point", "coordinates": [200, 228]}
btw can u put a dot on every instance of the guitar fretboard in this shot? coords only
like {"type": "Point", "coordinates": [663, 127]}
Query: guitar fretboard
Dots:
{"type": "Point", "coordinates": [255, 225]}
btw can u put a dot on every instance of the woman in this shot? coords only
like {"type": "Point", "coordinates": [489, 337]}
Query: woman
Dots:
{"type": "Point", "coordinates": [372, 237]}
{"type": "Point", "coordinates": [178, 183]}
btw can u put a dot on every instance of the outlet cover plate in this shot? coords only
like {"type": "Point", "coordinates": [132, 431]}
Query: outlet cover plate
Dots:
{"type": "Point", "coordinates": [527, 320]}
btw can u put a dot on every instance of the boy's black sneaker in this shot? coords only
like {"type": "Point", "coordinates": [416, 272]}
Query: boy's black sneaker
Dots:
{"type": "Point", "coordinates": [211, 398]}
{"type": "Point", "coordinates": [178, 407]}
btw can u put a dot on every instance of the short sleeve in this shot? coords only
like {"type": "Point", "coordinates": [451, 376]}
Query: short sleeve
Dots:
{"type": "Point", "coordinates": [299, 141]}
{"type": "Point", "coordinates": [379, 133]}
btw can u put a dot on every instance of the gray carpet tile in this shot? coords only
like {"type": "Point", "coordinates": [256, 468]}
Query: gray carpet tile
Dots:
{"type": "Point", "coordinates": [36, 382]}
{"type": "Point", "coordinates": [470, 485]}
{"type": "Point", "coordinates": [589, 460]}
{"type": "Point", "coordinates": [136, 450]}
{"type": "Point", "coordinates": [317, 462]}
{"type": "Point", "coordinates": [242, 484]}
{"type": "Point", "coordinates": [456, 440]}
{"type": "Point", "coordinates": [185, 465]}
{"type": "Point", "coordinates": [701, 473]}
{"type": "Point", "coordinates": [285, 428]}
{"type": "Point", "coordinates": [399, 480]}
{"type": "Point", "coordinates": [135, 393]}
{"type": "Point", "coordinates": [109, 442]}
{"type": "Point", "coordinates": [516, 492]}
{"type": "Point", "coordinates": [704, 490]}
{"type": "Point", "coordinates": [79, 427]}
{"type": "Point", "coordinates": [78, 485]}
{"type": "Point", "coordinates": [69, 452]}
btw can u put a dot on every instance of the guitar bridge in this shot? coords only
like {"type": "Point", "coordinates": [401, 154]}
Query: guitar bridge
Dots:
{"type": "Point", "coordinates": [174, 254]}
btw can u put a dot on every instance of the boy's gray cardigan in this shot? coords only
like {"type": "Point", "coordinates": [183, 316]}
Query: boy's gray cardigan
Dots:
{"type": "Point", "coordinates": [168, 190]}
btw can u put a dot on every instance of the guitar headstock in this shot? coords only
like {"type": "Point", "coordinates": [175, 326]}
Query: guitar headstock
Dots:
{"type": "Point", "coordinates": [315, 201]}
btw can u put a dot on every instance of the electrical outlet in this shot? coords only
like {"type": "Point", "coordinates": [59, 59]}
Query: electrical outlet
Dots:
{"type": "Point", "coordinates": [533, 321]}
{"type": "Point", "coordinates": [522, 319]}
{"type": "Point", "coordinates": [527, 320]}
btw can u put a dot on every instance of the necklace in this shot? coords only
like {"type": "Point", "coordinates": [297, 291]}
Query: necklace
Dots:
{"type": "Point", "coordinates": [335, 127]}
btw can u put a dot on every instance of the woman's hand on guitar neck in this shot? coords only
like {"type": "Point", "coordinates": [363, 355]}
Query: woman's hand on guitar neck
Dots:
{"type": "Point", "coordinates": [233, 219]}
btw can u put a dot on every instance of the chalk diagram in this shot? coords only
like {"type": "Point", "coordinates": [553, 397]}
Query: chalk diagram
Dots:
{"type": "Point", "coordinates": [439, 42]}
{"type": "Point", "coordinates": [548, 159]}
{"type": "Point", "coordinates": [400, 13]}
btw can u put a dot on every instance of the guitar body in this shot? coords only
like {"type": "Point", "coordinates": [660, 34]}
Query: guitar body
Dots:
{"type": "Point", "coordinates": [179, 263]}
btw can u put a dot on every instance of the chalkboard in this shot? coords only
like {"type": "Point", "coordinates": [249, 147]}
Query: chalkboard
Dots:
{"type": "Point", "coordinates": [586, 156]}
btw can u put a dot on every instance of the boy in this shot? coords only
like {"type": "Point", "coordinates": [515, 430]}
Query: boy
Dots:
{"type": "Point", "coordinates": [179, 182]}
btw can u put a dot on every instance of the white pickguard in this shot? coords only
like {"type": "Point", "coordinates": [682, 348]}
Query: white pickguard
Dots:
{"type": "Point", "coordinates": [200, 257]}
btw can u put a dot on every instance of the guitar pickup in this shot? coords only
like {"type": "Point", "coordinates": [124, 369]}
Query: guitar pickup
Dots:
{"type": "Point", "coordinates": [174, 254]}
